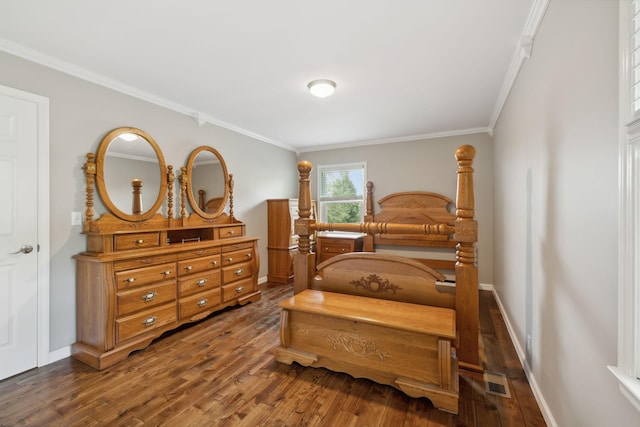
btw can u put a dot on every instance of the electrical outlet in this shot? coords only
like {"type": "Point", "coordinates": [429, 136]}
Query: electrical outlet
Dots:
{"type": "Point", "coordinates": [76, 218]}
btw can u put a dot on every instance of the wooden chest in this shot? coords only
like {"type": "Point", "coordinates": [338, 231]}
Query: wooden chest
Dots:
{"type": "Point", "coordinates": [407, 346]}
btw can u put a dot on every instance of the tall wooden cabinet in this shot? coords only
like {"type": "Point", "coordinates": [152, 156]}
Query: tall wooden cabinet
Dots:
{"type": "Point", "coordinates": [282, 241]}
{"type": "Point", "coordinates": [144, 273]}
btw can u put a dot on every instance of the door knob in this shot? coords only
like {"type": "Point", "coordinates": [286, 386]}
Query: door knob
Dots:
{"type": "Point", "coordinates": [25, 249]}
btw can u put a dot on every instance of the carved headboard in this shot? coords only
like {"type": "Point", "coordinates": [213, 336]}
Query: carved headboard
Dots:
{"type": "Point", "coordinates": [412, 207]}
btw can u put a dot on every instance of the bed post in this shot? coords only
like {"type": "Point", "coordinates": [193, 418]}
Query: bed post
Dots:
{"type": "Point", "coordinates": [368, 239]}
{"type": "Point", "coordinates": [466, 234]}
{"type": "Point", "coordinates": [304, 261]}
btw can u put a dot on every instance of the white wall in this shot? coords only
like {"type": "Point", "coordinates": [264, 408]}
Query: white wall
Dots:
{"type": "Point", "coordinates": [81, 113]}
{"type": "Point", "coordinates": [555, 267]}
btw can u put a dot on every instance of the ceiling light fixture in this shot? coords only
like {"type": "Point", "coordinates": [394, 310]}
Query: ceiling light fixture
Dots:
{"type": "Point", "coordinates": [129, 137]}
{"type": "Point", "coordinates": [322, 88]}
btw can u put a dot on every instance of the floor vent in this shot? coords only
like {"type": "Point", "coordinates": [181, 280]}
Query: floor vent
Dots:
{"type": "Point", "coordinates": [496, 383]}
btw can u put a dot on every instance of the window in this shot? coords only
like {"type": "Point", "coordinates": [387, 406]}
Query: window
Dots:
{"type": "Point", "coordinates": [633, 54]}
{"type": "Point", "coordinates": [627, 370]}
{"type": "Point", "coordinates": [341, 193]}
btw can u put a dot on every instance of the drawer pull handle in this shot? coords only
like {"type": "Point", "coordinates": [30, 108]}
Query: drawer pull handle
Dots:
{"type": "Point", "coordinates": [239, 289]}
{"type": "Point", "coordinates": [149, 321]}
{"type": "Point", "coordinates": [214, 262]}
{"type": "Point", "coordinates": [139, 241]}
{"type": "Point", "coordinates": [166, 273]}
{"type": "Point", "coordinates": [149, 296]}
{"type": "Point", "coordinates": [239, 271]}
{"type": "Point", "coordinates": [130, 279]}
{"type": "Point", "coordinates": [203, 302]}
{"type": "Point", "coordinates": [229, 259]}
{"type": "Point", "coordinates": [201, 282]}
{"type": "Point", "coordinates": [248, 255]}
{"type": "Point", "coordinates": [230, 232]}
{"type": "Point", "coordinates": [188, 267]}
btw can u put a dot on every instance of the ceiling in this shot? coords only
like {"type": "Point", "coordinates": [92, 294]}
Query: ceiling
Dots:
{"type": "Point", "coordinates": [404, 70]}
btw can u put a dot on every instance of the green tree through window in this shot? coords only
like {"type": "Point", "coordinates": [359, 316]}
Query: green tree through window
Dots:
{"type": "Point", "coordinates": [343, 212]}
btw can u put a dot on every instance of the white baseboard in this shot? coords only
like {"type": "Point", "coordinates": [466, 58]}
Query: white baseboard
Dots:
{"type": "Point", "coordinates": [537, 393]}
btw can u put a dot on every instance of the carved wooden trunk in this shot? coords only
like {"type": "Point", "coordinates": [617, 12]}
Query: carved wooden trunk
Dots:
{"type": "Point", "coordinates": [407, 346]}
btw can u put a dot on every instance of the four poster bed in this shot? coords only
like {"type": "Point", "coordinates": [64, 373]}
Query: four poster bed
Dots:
{"type": "Point", "coordinates": [385, 317]}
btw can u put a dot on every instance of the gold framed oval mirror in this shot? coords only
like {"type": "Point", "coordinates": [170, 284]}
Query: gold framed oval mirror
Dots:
{"type": "Point", "coordinates": [207, 182]}
{"type": "Point", "coordinates": [130, 170]}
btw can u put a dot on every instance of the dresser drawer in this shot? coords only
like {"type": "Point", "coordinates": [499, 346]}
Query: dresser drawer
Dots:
{"type": "Point", "coordinates": [128, 327]}
{"type": "Point", "coordinates": [145, 275]}
{"type": "Point", "coordinates": [336, 247]}
{"type": "Point", "coordinates": [196, 253]}
{"type": "Point", "coordinates": [230, 258]}
{"type": "Point", "coordinates": [230, 232]}
{"type": "Point", "coordinates": [237, 246]}
{"type": "Point", "coordinates": [236, 290]}
{"type": "Point", "coordinates": [199, 282]}
{"type": "Point", "coordinates": [197, 265]}
{"type": "Point", "coordinates": [237, 272]}
{"type": "Point", "coordinates": [143, 262]}
{"type": "Point", "coordinates": [122, 242]}
{"type": "Point", "coordinates": [198, 303]}
{"type": "Point", "coordinates": [146, 297]}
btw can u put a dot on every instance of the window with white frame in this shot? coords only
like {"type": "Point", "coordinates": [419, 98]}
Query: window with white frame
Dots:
{"type": "Point", "coordinates": [341, 190]}
{"type": "Point", "coordinates": [628, 368]}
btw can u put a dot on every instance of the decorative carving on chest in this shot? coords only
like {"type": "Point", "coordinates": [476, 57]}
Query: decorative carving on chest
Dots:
{"type": "Point", "coordinates": [358, 346]}
{"type": "Point", "coordinates": [375, 283]}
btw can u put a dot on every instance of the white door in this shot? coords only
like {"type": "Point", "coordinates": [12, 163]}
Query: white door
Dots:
{"type": "Point", "coordinates": [18, 235]}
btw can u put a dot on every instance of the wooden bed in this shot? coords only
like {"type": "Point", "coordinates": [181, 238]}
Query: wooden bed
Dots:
{"type": "Point", "coordinates": [211, 205]}
{"type": "Point", "coordinates": [386, 317]}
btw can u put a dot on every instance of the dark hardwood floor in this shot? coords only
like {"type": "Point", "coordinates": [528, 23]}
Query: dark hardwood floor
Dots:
{"type": "Point", "coordinates": [222, 372]}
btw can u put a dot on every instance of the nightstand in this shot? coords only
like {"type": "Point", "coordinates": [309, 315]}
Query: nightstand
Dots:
{"type": "Point", "coordinates": [331, 243]}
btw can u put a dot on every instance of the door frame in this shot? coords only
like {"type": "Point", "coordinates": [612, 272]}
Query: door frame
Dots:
{"type": "Point", "coordinates": [43, 219]}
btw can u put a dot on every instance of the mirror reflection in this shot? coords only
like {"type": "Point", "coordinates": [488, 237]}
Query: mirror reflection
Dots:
{"type": "Point", "coordinates": [207, 182]}
{"type": "Point", "coordinates": [131, 173]}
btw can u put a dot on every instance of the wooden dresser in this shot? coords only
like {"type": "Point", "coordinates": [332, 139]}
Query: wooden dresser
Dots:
{"type": "Point", "coordinates": [333, 243]}
{"type": "Point", "coordinates": [144, 273]}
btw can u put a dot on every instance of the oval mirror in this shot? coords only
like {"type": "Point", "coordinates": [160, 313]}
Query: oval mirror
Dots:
{"type": "Point", "coordinates": [207, 182]}
{"type": "Point", "coordinates": [131, 174]}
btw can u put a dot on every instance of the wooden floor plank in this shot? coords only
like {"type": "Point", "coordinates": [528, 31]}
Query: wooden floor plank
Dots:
{"type": "Point", "coordinates": [222, 371]}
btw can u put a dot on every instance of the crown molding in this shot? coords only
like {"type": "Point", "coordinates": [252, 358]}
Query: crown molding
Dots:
{"type": "Point", "coordinates": [394, 140]}
{"type": "Point", "coordinates": [523, 52]}
{"type": "Point", "coordinates": [90, 76]}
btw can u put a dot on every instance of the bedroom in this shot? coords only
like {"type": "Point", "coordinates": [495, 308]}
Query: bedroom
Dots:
{"type": "Point", "coordinates": [559, 126]}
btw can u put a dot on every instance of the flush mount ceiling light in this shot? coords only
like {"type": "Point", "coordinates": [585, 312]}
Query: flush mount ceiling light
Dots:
{"type": "Point", "coordinates": [322, 88]}
{"type": "Point", "coordinates": [129, 137]}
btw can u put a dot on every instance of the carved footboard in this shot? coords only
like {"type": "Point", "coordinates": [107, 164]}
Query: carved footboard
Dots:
{"type": "Point", "coordinates": [384, 276]}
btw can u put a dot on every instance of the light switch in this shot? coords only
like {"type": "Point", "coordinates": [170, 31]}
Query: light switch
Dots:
{"type": "Point", "coordinates": [76, 218]}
